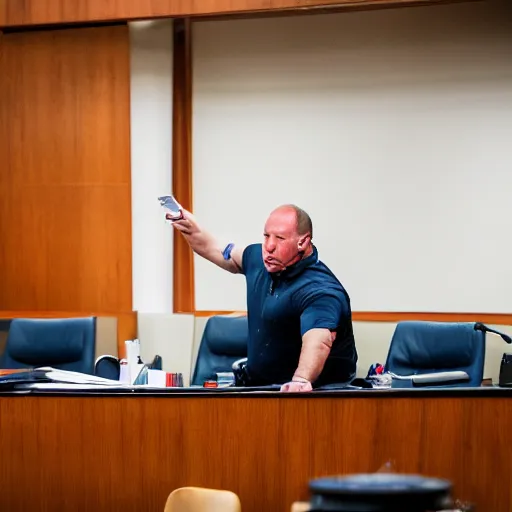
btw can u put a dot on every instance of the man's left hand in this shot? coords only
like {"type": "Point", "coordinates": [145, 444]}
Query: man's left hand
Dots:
{"type": "Point", "coordinates": [296, 387]}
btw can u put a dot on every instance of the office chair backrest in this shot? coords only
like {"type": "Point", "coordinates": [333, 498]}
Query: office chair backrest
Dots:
{"type": "Point", "coordinates": [224, 341]}
{"type": "Point", "coordinates": [64, 343]}
{"type": "Point", "coordinates": [428, 347]}
{"type": "Point", "coordinates": [197, 499]}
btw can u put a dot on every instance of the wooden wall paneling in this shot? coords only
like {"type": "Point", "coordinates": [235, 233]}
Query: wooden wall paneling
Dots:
{"type": "Point", "coordinates": [264, 449]}
{"type": "Point", "coordinates": [65, 179]}
{"type": "Point", "coordinates": [183, 270]}
{"type": "Point", "coordinates": [126, 330]}
{"type": "Point", "coordinates": [41, 12]}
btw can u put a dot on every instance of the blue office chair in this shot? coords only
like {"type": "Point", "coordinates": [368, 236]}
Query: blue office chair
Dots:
{"type": "Point", "coordinates": [64, 343]}
{"type": "Point", "coordinates": [423, 348]}
{"type": "Point", "coordinates": [223, 343]}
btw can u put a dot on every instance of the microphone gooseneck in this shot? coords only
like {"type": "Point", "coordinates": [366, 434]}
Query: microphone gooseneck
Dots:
{"type": "Point", "coordinates": [479, 326]}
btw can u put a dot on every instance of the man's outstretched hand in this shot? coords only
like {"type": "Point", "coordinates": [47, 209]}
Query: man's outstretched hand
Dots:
{"type": "Point", "coordinates": [296, 387]}
{"type": "Point", "coordinates": [187, 225]}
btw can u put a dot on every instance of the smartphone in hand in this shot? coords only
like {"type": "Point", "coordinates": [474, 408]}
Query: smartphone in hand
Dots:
{"type": "Point", "coordinates": [173, 209]}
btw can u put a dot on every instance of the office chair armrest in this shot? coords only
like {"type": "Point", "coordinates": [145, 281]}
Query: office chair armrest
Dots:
{"type": "Point", "coordinates": [426, 379]}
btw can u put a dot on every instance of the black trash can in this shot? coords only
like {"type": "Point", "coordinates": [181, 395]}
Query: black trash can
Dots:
{"type": "Point", "coordinates": [379, 492]}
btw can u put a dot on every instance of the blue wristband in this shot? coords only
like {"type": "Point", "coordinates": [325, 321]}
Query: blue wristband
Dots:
{"type": "Point", "coordinates": [226, 253]}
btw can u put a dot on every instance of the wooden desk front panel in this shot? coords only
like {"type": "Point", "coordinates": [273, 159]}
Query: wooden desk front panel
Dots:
{"type": "Point", "coordinates": [114, 453]}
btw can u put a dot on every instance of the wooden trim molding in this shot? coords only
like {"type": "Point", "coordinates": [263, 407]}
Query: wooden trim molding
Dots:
{"type": "Point", "coordinates": [183, 267]}
{"type": "Point", "coordinates": [377, 316]}
{"type": "Point", "coordinates": [16, 13]}
{"type": "Point", "coordinates": [127, 328]}
{"type": "Point", "coordinates": [382, 316]}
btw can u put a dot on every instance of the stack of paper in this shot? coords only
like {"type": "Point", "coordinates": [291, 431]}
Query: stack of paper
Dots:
{"type": "Point", "coordinates": [52, 378]}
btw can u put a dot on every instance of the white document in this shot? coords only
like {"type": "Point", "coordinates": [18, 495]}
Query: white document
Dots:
{"type": "Point", "coordinates": [74, 377]}
{"type": "Point", "coordinates": [67, 386]}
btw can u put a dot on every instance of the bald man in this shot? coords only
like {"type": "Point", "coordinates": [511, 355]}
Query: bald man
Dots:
{"type": "Point", "coordinates": [300, 321]}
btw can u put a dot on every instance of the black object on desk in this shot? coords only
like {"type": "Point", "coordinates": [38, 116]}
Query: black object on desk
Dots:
{"type": "Point", "coordinates": [107, 367]}
{"type": "Point", "coordinates": [156, 364]}
{"type": "Point", "coordinates": [379, 492]}
{"type": "Point", "coordinates": [505, 380]}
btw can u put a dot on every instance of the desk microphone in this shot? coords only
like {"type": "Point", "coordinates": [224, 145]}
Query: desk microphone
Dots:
{"type": "Point", "coordinates": [481, 327]}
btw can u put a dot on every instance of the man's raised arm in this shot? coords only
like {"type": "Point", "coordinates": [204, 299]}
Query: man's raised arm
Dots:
{"type": "Point", "coordinates": [204, 244]}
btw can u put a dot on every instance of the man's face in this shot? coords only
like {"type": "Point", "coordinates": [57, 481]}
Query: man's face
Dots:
{"type": "Point", "coordinates": [280, 240]}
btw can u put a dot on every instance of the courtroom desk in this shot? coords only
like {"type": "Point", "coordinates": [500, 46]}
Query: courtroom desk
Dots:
{"type": "Point", "coordinates": [127, 451]}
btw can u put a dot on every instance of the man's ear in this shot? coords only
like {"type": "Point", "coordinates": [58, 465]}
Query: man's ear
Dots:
{"type": "Point", "coordinates": [303, 241]}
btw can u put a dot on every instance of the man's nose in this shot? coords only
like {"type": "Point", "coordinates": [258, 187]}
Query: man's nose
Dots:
{"type": "Point", "coordinates": [270, 245]}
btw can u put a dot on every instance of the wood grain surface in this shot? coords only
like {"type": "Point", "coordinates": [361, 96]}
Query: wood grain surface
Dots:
{"type": "Point", "coordinates": [36, 12]}
{"type": "Point", "coordinates": [115, 453]}
{"type": "Point", "coordinates": [183, 269]}
{"type": "Point", "coordinates": [65, 179]}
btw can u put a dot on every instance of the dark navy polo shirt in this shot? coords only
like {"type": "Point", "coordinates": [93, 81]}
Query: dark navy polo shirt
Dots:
{"type": "Point", "coordinates": [282, 307]}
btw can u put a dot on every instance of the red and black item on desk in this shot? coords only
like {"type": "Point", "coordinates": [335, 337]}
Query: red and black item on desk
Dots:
{"type": "Point", "coordinates": [379, 492]}
{"type": "Point", "coordinates": [174, 380]}
{"type": "Point", "coordinates": [222, 380]}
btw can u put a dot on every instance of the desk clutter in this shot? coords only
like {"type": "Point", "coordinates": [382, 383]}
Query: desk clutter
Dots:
{"type": "Point", "coordinates": [53, 379]}
{"type": "Point", "coordinates": [421, 355]}
{"type": "Point", "coordinates": [110, 373]}
{"type": "Point", "coordinates": [134, 371]}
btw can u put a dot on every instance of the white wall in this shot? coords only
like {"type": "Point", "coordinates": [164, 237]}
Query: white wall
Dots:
{"type": "Point", "coordinates": [171, 337]}
{"type": "Point", "coordinates": [151, 145]}
{"type": "Point", "coordinates": [391, 128]}
{"type": "Point", "coordinates": [160, 331]}
{"type": "Point", "coordinates": [176, 337]}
